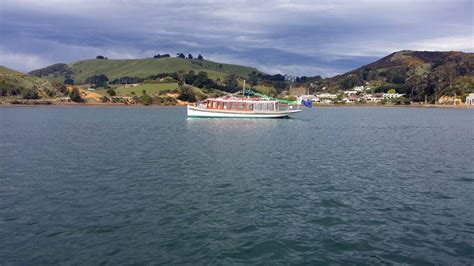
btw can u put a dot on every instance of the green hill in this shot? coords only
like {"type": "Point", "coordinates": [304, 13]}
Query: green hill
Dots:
{"type": "Point", "coordinates": [414, 73]}
{"type": "Point", "coordinates": [142, 68]}
{"type": "Point", "coordinates": [14, 83]}
{"type": "Point", "coordinates": [8, 71]}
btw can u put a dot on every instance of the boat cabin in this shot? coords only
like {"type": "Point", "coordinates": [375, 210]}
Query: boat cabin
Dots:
{"type": "Point", "coordinates": [242, 104]}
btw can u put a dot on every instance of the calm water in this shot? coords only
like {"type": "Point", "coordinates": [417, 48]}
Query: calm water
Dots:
{"type": "Point", "coordinates": [85, 185]}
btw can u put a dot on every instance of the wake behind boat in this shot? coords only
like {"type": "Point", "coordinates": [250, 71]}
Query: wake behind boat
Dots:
{"type": "Point", "coordinates": [234, 107]}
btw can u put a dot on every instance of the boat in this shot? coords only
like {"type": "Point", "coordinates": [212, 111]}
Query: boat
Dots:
{"type": "Point", "coordinates": [240, 107]}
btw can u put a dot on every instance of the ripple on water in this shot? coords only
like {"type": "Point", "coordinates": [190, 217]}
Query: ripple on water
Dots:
{"type": "Point", "coordinates": [332, 203]}
{"type": "Point", "coordinates": [327, 221]}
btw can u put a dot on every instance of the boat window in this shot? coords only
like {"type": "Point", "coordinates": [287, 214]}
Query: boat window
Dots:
{"type": "Point", "coordinates": [241, 107]}
{"type": "Point", "coordinates": [234, 105]}
{"type": "Point", "coordinates": [225, 105]}
{"type": "Point", "coordinates": [250, 106]}
{"type": "Point", "coordinates": [214, 105]}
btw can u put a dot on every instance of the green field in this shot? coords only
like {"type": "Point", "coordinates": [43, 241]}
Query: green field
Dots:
{"type": "Point", "coordinates": [151, 66]}
{"type": "Point", "coordinates": [151, 89]}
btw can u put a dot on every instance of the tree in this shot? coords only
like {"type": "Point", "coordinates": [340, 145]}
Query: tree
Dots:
{"type": "Point", "coordinates": [186, 94]}
{"type": "Point", "coordinates": [200, 57]}
{"type": "Point", "coordinates": [190, 56]}
{"type": "Point", "coordinates": [392, 91]}
{"type": "Point", "coordinates": [29, 93]}
{"type": "Point", "coordinates": [111, 91]}
{"type": "Point", "coordinates": [98, 80]}
{"type": "Point", "coordinates": [75, 96]}
{"type": "Point", "coordinates": [100, 57]}
{"type": "Point", "coordinates": [181, 77]}
{"type": "Point", "coordinates": [180, 55]}
{"type": "Point", "coordinates": [69, 81]}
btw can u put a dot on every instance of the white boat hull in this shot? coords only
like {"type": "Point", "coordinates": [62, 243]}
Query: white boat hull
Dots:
{"type": "Point", "coordinates": [197, 112]}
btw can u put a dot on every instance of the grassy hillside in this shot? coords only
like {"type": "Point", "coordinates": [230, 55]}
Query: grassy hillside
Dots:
{"type": "Point", "coordinates": [17, 84]}
{"type": "Point", "coordinates": [414, 73]}
{"type": "Point", "coordinates": [113, 69]}
{"type": "Point", "coordinates": [8, 71]}
{"type": "Point", "coordinates": [151, 89]}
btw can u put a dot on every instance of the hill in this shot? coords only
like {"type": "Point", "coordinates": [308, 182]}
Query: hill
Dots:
{"type": "Point", "coordinates": [8, 71]}
{"type": "Point", "coordinates": [14, 83]}
{"type": "Point", "coordinates": [414, 73]}
{"type": "Point", "coordinates": [141, 68]}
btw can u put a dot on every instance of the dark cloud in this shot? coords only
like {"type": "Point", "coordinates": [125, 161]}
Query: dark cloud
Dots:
{"type": "Point", "coordinates": [294, 37]}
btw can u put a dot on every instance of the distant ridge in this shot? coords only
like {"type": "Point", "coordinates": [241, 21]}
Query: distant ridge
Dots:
{"type": "Point", "coordinates": [116, 68]}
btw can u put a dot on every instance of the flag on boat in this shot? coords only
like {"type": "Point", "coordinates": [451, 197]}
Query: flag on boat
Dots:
{"type": "Point", "coordinates": [307, 103]}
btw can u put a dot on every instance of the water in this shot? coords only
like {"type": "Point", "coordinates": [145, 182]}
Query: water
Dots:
{"type": "Point", "coordinates": [86, 185]}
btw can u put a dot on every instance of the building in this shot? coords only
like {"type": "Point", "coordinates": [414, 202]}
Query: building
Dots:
{"type": "Point", "coordinates": [352, 92]}
{"type": "Point", "coordinates": [359, 88]}
{"type": "Point", "coordinates": [372, 98]}
{"type": "Point", "coordinates": [312, 98]}
{"type": "Point", "coordinates": [470, 99]}
{"type": "Point", "coordinates": [327, 96]}
{"type": "Point", "coordinates": [392, 95]}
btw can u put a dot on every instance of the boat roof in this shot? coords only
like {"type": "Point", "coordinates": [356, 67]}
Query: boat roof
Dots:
{"type": "Point", "coordinates": [237, 99]}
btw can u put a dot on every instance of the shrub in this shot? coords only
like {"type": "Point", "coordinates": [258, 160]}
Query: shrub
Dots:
{"type": "Point", "coordinates": [111, 92]}
{"type": "Point", "coordinates": [75, 96]}
{"type": "Point", "coordinates": [186, 94]}
{"type": "Point", "coordinates": [29, 94]}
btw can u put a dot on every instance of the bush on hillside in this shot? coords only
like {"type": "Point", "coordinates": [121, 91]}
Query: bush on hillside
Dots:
{"type": "Point", "coordinates": [75, 96]}
{"type": "Point", "coordinates": [186, 94]}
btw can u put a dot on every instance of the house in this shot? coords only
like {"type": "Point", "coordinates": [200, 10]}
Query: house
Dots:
{"type": "Point", "coordinates": [312, 98]}
{"type": "Point", "coordinates": [347, 100]}
{"type": "Point", "coordinates": [470, 99]}
{"type": "Point", "coordinates": [352, 92]}
{"type": "Point", "coordinates": [351, 99]}
{"type": "Point", "coordinates": [372, 98]}
{"type": "Point", "coordinates": [327, 96]}
{"type": "Point", "coordinates": [359, 88]}
{"type": "Point", "coordinates": [392, 95]}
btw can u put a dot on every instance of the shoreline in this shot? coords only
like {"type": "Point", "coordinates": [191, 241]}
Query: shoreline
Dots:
{"type": "Point", "coordinates": [181, 105]}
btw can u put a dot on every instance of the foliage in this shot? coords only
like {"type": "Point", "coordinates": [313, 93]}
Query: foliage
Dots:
{"type": "Point", "coordinates": [111, 92]}
{"type": "Point", "coordinates": [127, 80]}
{"type": "Point", "coordinates": [75, 96]}
{"type": "Point", "coordinates": [29, 93]}
{"type": "Point", "coordinates": [145, 99]}
{"type": "Point", "coordinates": [56, 69]}
{"type": "Point", "coordinates": [98, 80]}
{"type": "Point", "coordinates": [186, 94]}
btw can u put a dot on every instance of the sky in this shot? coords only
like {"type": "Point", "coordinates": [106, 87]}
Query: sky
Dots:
{"type": "Point", "coordinates": [301, 37]}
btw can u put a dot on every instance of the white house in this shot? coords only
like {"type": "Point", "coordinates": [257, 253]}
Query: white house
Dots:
{"type": "Point", "coordinates": [372, 98]}
{"type": "Point", "coordinates": [352, 92]}
{"type": "Point", "coordinates": [470, 99]}
{"type": "Point", "coordinates": [327, 96]}
{"type": "Point", "coordinates": [359, 88]}
{"type": "Point", "coordinates": [392, 95]}
{"type": "Point", "coordinates": [348, 100]}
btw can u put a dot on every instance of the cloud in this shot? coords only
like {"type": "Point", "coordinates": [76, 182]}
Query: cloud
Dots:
{"type": "Point", "coordinates": [303, 37]}
{"type": "Point", "coordinates": [20, 61]}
